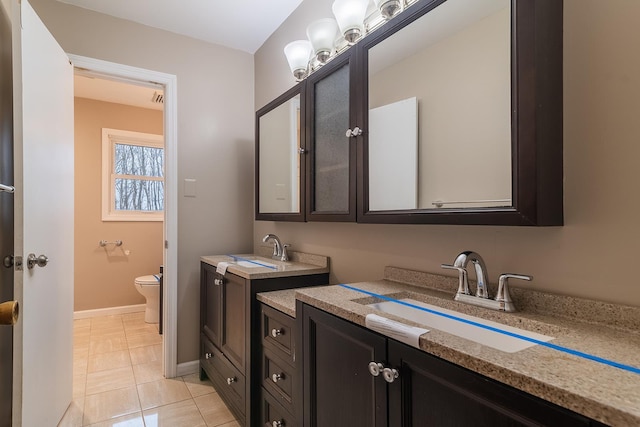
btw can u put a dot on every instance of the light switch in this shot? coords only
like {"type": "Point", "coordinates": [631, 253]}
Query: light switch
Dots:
{"type": "Point", "coordinates": [189, 187]}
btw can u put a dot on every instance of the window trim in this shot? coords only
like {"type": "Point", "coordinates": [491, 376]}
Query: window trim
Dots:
{"type": "Point", "coordinates": [111, 137]}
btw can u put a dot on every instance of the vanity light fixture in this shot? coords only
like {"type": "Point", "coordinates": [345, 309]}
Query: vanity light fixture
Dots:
{"type": "Point", "coordinates": [298, 53]}
{"type": "Point", "coordinates": [351, 21]}
{"type": "Point", "coordinates": [322, 34]}
{"type": "Point", "coordinates": [350, 15]}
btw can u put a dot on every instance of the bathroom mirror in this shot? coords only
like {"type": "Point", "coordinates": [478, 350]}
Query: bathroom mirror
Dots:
{"type": "Point", "coordinates": [278, 166]}
{"type": "Point", "coordinates": [463, 108]}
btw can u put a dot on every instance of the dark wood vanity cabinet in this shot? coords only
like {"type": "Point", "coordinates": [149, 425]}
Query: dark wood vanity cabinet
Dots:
{"type": "Point", "coordinates": [223, 327]}
{"type": "Point", "coordinates": [280, 389]}
{"type": "Point", "coordinates": [340, 391]}
{"type": "Point", "coordinates": [230, 337]}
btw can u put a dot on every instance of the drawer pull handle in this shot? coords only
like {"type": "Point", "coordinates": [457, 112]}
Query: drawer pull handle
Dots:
{"type": "Point", "coordinates": [208, 356]}
{"type": "Point", "coordinates": [231, 380]}
{"type": "Point", "coordinates": [277, 332]}
{"type": "Point", "coordinates": [277, 377]}
{"type": "Point", "coordinates": [278, 423]}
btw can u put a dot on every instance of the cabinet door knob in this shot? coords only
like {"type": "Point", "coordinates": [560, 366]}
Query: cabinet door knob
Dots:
{"type": "Point", "coordinates": [301, 150]}
{"type": "Point", "coordinates": [278, 423]}
{"type": "Point", "coordinates": [375, 368]}
{"type": "Point", "coordinates": [390, 374]}
{"type": "Point", "coordinates": [277, 377]}
{"type": "Point", "coordinates": [208, 356]}
{"type": "Point", "coordinates": [277, 332]}
{"type": "Point", "coordinates": [231, 380]}
{"type": "Point", "coordinates": [218, 282]}
{"type": "Point", "coordinates": [352, 133]}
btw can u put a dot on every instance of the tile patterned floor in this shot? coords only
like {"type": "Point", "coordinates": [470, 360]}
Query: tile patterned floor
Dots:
{"type": "Point", "coordinates": [118, 381]}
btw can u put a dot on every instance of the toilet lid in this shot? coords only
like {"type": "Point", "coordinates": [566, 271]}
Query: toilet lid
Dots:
{"type": "Point", "coordinates": [147, 280]}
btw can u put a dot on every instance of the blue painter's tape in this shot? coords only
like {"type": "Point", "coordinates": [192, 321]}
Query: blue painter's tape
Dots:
{"type": "Point", "coordinates": [552, 346]}
{"type": "Point", "coordinates": [239, 258]}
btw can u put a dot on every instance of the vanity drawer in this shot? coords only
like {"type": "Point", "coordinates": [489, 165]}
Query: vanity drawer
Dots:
{"type": "Point", "coordinates": [278, 378]}
{"type": "Point", "coordinates": [278, 332]}
{"type": "Point", "coordinates": [228, 381]}
{"type": "Point", "coordinates": [272, 414]}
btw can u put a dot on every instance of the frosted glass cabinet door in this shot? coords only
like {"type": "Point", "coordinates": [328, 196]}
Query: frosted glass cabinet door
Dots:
{"type": "Point", "coordinates": [332, 192]}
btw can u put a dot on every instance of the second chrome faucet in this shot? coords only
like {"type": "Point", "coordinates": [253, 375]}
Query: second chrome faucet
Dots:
{"type": "Point", "coordinates": [279, 249]}
{"type": "Point", "coordinates": [502, 301]}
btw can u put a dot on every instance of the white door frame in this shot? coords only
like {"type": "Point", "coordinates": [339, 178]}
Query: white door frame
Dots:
{"type": "Point", "coordinates": [142, 76]}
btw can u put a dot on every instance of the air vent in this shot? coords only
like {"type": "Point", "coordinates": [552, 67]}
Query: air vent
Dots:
{"type": "Point", "coordinates": [157, 98]}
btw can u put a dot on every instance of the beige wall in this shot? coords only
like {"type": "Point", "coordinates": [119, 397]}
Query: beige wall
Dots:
{"type": "Point", "coordinates": [215, 135]}
{"type": "Point", "coordinates": [591, 256]}
{"type": "Point", "coordinates": [104, 277]}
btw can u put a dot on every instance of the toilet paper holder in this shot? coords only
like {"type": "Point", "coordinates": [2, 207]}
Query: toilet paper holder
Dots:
{"type": "Point", "coordinates": [104, 243]}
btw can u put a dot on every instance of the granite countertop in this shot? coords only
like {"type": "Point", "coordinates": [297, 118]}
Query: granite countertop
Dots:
{"type": "Point", "coordinates": [597, 390]}
{"type": "Point", "coordinates": [262, 266]}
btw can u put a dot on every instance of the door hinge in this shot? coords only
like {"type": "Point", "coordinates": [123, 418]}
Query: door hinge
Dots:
{"type": "Point", "coordinates": [166, 244]}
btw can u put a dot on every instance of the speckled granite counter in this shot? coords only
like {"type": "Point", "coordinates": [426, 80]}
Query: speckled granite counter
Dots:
{"type": "Point", "coordinates": [284, 301]}
{"type": "Point", "coordinates": [261, 266]}
{"type": "Point", "coordinates": [599, 391]}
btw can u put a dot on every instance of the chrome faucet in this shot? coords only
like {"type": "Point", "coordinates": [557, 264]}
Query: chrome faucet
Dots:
{"type": "Point", "coordinates": [460, 264]}
{"type": "Point", "coordinates": [502, 301]}
{"type": "Point", "coordinates": [279, 249]}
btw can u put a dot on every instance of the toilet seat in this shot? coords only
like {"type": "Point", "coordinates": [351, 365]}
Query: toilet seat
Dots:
{"type": "Point", "coordinates": [149, 280]}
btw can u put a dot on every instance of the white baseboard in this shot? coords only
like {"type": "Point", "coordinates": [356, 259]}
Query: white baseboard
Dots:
{"type": "Point", "coordinates": [188, 368]}
{"type": "Point", "coordinates": [109, 311]}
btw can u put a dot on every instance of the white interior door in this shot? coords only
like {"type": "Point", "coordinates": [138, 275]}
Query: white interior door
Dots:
{"type": "Point", "coordinates": [47, 218]}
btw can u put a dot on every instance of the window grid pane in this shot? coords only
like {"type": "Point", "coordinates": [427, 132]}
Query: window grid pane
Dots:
{"type": "Point", "coordinates": [138, 160]}
{"type": "Point", "coordinates": [139, 195]}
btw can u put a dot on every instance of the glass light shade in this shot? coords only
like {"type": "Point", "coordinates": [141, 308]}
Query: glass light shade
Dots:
{"type": "Point", "coordinates": [350, 16]}
{"type": "Point", "coordinates": [298, 53]}
{"type": "Point", "coordinates": [322, 34]}
{"type": "Point", "coordinates": [389, 8]}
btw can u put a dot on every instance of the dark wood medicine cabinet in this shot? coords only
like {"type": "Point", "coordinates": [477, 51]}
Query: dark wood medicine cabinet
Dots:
{"type": "Point", "coordinates": [461, 120]}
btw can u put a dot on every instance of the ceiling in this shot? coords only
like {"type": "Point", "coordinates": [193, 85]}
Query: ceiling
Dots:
{"type": "Point", "coordinates": [116, 92]}
{"type": "Point", "coordinates": [238, 24]}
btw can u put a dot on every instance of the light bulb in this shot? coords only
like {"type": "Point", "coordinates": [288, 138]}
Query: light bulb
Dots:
{"type": "Point", "coordinates": [322, 34]}
{"type": "Point", "coordinates": [298, 53]}
{"type": "Point", "coordinates": [350, 16]}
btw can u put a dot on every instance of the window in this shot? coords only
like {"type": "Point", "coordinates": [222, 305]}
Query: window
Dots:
{"type": "Point", "coordinates": [132, 176]}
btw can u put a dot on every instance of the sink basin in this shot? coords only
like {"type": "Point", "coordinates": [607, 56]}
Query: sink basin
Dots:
{"type": "Point", "coordinates": [255, 264]}
{"type": "Point", "coordinates": [485, 332]}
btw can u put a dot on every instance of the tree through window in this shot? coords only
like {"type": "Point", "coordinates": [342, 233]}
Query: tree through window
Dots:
{"type": "Point", "coordinates": [135, 169]}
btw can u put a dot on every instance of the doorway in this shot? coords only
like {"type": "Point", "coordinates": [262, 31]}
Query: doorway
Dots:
{"type": "Point", "coordinates": [152, 79]}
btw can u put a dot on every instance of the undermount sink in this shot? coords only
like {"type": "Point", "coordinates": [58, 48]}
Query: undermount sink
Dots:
{"type": "Point", "coordinates": [485, 332]}
{"type": "Point", "coordinates": [255, 263]}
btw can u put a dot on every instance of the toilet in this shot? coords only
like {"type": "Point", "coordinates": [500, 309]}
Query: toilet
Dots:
{"type": "Point", "coordinates": [149, 287]}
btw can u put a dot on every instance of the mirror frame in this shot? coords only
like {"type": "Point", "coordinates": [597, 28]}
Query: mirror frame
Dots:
{"type": "Point", "coordinates": [298, 89]}
{"type": "Point", "coordinates": [536, 122]}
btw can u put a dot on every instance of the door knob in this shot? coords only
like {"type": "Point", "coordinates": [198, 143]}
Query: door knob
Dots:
{"type": "Point", "coordinates": [9, 312]}
{"type": "Point", "coordinates": [40, 261]}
